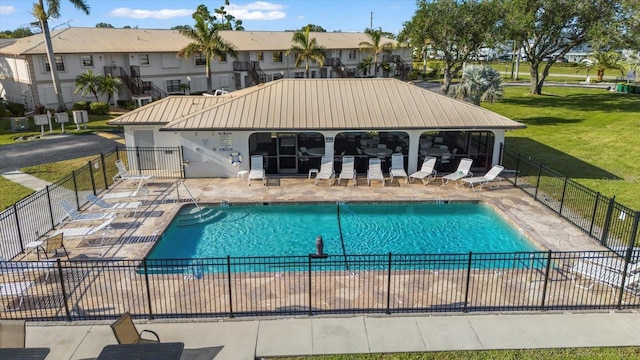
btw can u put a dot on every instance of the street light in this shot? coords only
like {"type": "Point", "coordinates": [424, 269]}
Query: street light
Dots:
{"type": "Point", "coordinates": [189, 80]}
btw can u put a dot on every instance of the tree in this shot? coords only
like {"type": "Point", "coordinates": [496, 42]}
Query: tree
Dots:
{"type": "Point", "coordinates": [109, 85]}
{"type": "Point", "coordinates": [88, 83]}
{"type": "Point", "coordinates": [306, 49]}
{"type": "Point", "coordinates": [17, 33]}
{"type": "Point", "coordinates": [601, 61]}
{"type": "Point", "coordinates": [549, 29]}
{"type": "Point", "coordinates": [104, 25]}
{"type": "Point", "coordinates": [455, 29]}
{"type": "Point", "coordinates": [314, 28]}
{"type": "Point", "coordinates": [43, 15]}
{"type": "Point", "coordinates": [206, 39]}
{"type": "Point", "coordinates": [480, 83]}
{"type": "Point", "coordinates": [375, 45]}
{"type": "Point", "coordinates": [365, 65]}
{"type": "Point", "coordinates": [227, 21]}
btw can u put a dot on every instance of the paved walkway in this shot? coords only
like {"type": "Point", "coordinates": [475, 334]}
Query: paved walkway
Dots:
{"type": "Point", "coordinates": [249, 339]}
{"type": "Point", "coordinates": [26, 180]}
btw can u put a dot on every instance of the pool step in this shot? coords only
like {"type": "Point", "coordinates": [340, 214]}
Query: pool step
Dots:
{"type": "Point", "coordinates": [198, 217]}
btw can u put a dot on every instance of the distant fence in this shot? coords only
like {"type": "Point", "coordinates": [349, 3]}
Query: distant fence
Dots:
{"type": "Point", "coordinates": [306, 285]}
{"type": "Point", "coordinates": [32, 217]}
{"type": "Point", "coordinates": [612, 224]}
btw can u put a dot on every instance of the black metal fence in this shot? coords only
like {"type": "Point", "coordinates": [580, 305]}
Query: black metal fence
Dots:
{"type": "Point", "coordinates": [612, 224]}
{"type": "Point", "coordinates": [306, 285]}
{"type": "Point", "coordinates": [32, 217]}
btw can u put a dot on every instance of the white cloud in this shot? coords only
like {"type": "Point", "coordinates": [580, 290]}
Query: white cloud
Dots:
{"type": "Point", "coordinates": [6, 10]}
{"type": "Point", "coordinates": [154, 14]}
{"type": "Point", "coordinates": [258, 10]}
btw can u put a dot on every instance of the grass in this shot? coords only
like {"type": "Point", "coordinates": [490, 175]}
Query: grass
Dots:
{"type": "Point", "coordinates": [529, 354]}
{"type": "Point", "coordinates": [586, 134]}
{"type": "Point", "coordinates": [11, 193]}
{"type": "Point", "coordinates": [96, 123]}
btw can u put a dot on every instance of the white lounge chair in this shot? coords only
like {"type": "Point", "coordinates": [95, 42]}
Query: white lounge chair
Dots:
{"type": "Point", "coordinates": [348, 171]}
{"type": "Point", "coordinates": [397, 168]}
{"type": "Point", "coordinates": [487, 178]}
{"type": "Point", "coordinates": [124, 174]}
{"type": "Point", "coordinates": [603, 275]}
{"type": "Point", "coordinates": [257, 170]}
{"type": "Point", "coordinates": [119, 206]}
{"type": "Point", "coordinates": [611, 261]}
{"type": "Point", "coordinates": [463, 171]}
{"type": "Point", "coordinates": [74, 215]}
{"type": "Point", "coordinates": [375, 171]}
{"type": "Point", "coordinates": [326, 170]}
{"type": "Point", "coordinates": [104, 228]}
{"type": "Point", "coordinates": [426, 173]}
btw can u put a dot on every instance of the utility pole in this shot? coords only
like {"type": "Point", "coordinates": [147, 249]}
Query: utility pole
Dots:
{"type": "Point", "coordinates": [371, 21]}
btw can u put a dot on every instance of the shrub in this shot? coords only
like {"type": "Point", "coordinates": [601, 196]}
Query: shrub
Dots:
{"type": "Point", "coordinates": [16, 109]}
{"type": "Point", "coordinates": [81, 105]}
{"type": "Point", "coordinates": [98, 108]}
{"type": "Point", "coordinates": [126, 104]}
{"type": "Point", "coordinates": [3, 110]}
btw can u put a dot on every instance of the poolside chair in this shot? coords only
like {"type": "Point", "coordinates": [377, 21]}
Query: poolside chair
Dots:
{"type": "Point", "coordinates": [326, 170]}
{"type": "Point", "coordinates": [126, 333]}
{"type": "Point", "coordinates": [104, 228]}
{"type": "Point", "coordinates": [603, 275]}
{"type": "Point", "coordinates": [375, 171]}
{"type": "Point", "coordinates": [12, 333]}
{"type": "Point", "coordinates": [105, 206]}
{"type": "Point", "coordinates": [487, 178]}
{"type": "Point", "coordinates": [140, 193]}
{"type": "Point", "coordinates": [348, 171]}
{"type": "Point", "coordinates": [462, 172]}
{"type": "Point", "coordinates": [257, 170]}
{"type": "Point", "coordinates": [611, 261]}
{"type": "Point", "coordinates": [74, 215]}
{"type": "Point", "coordinates": [17, 290]}
{"type": "Point", "coordinates": [397, 168]}
{"type": "Point", "coordinates": [125, 175]}
{"type": "Point", "coordinates": [426, 173]}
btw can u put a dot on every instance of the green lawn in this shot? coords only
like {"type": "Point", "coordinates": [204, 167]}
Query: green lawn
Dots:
{"type": "Point", "coordinates": [589, 135]}
{"type": "Point", "coordinates": [96, 123]}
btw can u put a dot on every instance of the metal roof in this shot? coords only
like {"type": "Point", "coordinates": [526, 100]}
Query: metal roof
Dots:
{"type": "Point", "coordinates": [166, 110]}
{"type": "Point", "coordinates": [111, 40]}
{"type": "Point", "coordinates": [343, 104]}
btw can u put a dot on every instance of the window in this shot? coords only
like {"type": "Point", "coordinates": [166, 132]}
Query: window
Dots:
{"type": "Point", "coordinates": [277, 57]}
{"type": "Point", "coordinates": [223, 58]}
{"type": "Point", "coordinates": [87, 60]}
{"type": "Point", "coordinates": [260, 56]}
{"type": "Point", "coordinates": [59, 64]}
{"type": "Point", "coordinates": [201, 60]}
{"type": "Point", "coordinates": [298, 74]}
{"type": "Point", "coordinates": [352, 54]}
{"type": "Point", "coordinates": [173, 86]}
{"type": "Point", "coordinates": [144, 59]}
{"type": "Point", "coordinates": [339, 54]}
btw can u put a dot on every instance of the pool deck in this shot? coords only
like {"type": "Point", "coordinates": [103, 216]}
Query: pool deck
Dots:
{"type": "Point", "coordinates": [263, 337]}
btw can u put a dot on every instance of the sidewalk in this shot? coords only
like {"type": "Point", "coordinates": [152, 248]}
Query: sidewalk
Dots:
{"type": "Point", "coordinates": [26, 180]}
{"type": "Point", "coordinates": [249, 339]}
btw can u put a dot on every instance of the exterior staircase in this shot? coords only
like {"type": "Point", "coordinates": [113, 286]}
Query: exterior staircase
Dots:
{"type": "Point", "coordinates": [253, 69]}
{"type": "Point", "coordinates": [134, 84]}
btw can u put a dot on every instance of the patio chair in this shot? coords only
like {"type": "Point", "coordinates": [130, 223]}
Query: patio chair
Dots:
{"type": "Point", "coordinates": [603, 275]}
{"type": "Point", "coordinates": [257, 170]}
{"type": "Point", "coordinates": [462, 172]}
{"type": "Point", "coordinates": [17, 289]}
{"type": "Point", "coordinates": [397, 168]}
{"type": "Point", "coordinates": [375, 171]}
{"type": "Point", "coordinates": [487, 178]}
{"type": "Point", "coordinates": [348, 171]}
{"type": "Point", "coordinates": [74, 215]}
{"type": "Point", "coordinates": [126, 333]}
{"type": "Point", "coordinates": [99, 203]}
{"type": "Point", "coordinates": [426, 173]}
{"type": "Point", "coordinates": [125, 175]}
{"type": "Point", "coordinates": [12, 333]}
{"type": "Point", "coordinates": [326, 170]}
{"type": "Point", "coordinates": [104, 227]}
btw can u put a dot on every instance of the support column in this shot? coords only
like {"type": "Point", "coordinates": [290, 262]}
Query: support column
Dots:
{"type": "Point", "coordinates": [498, 142]}
{"type": "Point", "coordinates": [414, 151]}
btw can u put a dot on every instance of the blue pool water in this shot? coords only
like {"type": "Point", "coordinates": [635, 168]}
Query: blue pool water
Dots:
{"type": "Point", "coordinates": [367, 228]}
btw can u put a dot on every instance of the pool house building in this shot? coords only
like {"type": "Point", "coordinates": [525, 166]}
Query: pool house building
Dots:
{"type": "Point", "coordinates": [292, 123]}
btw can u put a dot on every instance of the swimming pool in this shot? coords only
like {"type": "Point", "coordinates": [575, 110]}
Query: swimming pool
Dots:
{"type": "Point", "coordinates": [347, 228]}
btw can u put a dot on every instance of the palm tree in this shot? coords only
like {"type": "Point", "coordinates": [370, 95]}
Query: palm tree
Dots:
{"type": "Point", "coordinates": [206, 40]}
{"type": "Point", "coordinates": [601, 61]}
{"type": "Point", "coordinates": [480, 83]}
{"type": "Point", "coordinates": [306, 49]}
{"type": "Point", "coordinates": [89, 83]}
{"type": "Point", "coordinates": [109, 85]}
{"type": "Point", "coordinates": [365, 65]}
{"type": "Point", "coordinates": [43, 15]}
{"type": "Point", "coordinates": [375, 45]}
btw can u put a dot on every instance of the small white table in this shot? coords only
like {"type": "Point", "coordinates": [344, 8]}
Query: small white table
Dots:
{"type": "Point", "coordinates": [37, 245]}
{"type": "Point", "coordinates": [317, 151]}
{"type": "Point", "coordinates": [241, 175]}
{"type": "Point", "coordinates": [313, 171]}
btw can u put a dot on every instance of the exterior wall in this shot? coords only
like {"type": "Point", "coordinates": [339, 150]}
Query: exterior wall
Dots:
{"type": "Point", "coordinates": [15, 80]}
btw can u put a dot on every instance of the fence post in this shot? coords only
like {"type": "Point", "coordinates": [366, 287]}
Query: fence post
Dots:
{"type": "Point", "coordinates": [564, 189]}
{"type": "Point", "coordinates": [229, 285]}
{"type": "Point", "coordinates": [535, 195]}
{"type": "Point", "coordinates": [137, 159]}
{"type": "Point", "coordinates": [15, 214]}
{"type": "Point", "coordinates": [466, 291]}
{"type": "Point", "coordinates": [310, 311]}
{"type": "Point", "coordinates": [593, 215]}
{"type": "Point", "coordinates": [104, 170]}
{"type": "Point", "coordinates": [53, 221]}
{"type": "Point", "coordinates": [515, 180]}
{"type": "Point", "coordinates": [93, 181]}
{"type": "Point", "coordinates": [64, 291]}
{"type": "Point", "coordinates": [117, 153]}
{"type": "Point", "coordinates": [75, 188]}
{"type": "Point", "coordinates": [546, 281]}
{"type": "Point", "coordinates": [146, 280]}
{"type": "Point", "coordinates": [627, 257]}
{"type": "Point", "coordinates": [389, 285]}
{"type": "Point", "coordinates": [182, 169]}
{"type": "Point", "coordinates": [607, 222]}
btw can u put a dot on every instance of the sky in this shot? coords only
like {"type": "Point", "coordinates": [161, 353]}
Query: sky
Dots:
{"type": "Point", "coordinates": [332, 15]}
